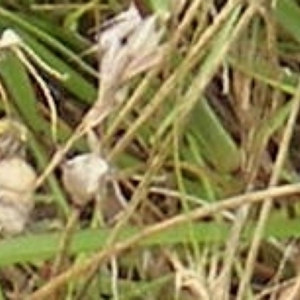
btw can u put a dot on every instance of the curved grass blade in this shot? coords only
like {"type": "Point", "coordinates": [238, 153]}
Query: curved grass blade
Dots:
{"type": "Point", "coordinates": [23, 99]}
{"type": "Point", "coordinates": [9, 19]}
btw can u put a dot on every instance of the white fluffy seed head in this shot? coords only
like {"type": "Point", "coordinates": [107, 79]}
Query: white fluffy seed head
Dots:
{"type": "Point", "coordinates": [14, 212]}
{"type": "Point", "coordinates": [82, 177]}
{"type": "Point", "coordinates": [9, 38]}
{"type": "Point", "coordinates": [16, 175]}
{"type": "Point", "coordinates": [17, 180]}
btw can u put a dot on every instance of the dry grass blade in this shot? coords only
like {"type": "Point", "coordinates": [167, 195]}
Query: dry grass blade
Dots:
{"type": "Point", "coordinates": [178, 133]}
{"type": "Point", "coordinates": [267, 205]}
{"type": "Point", "coordinates": [118, 248]}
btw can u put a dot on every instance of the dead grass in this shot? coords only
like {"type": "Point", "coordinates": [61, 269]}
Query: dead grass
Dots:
{"type": "Point", "coordinates": [197, 116]}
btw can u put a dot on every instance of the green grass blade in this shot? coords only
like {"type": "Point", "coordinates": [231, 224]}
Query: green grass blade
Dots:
{"type": "Point", "coordinates": [34, 248]}
{"type": "Point", "coordinates": [214, 142]}
{"type": "Point", "coordinates": [287, 13]}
